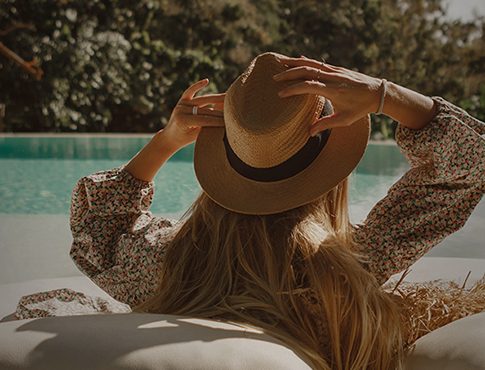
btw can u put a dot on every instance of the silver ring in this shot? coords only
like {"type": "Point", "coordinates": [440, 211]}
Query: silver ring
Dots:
{"type": "Point", "coordinates": [319, 70]}
{"type": "Point", "coordinates": [194, 110]}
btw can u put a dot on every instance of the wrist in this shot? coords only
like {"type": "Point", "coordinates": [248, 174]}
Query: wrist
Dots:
{"type": "Point", "coordinates": [145, 165]}
{"type": "Point", "coordinates": [164, 144]}
{"type": "Point", "coordinates": [383, 93]}
{"type": "Point", "coordinates": [408, 107]}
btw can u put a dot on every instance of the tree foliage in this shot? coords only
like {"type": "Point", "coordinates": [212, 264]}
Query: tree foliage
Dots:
{"type": "Point", "coordinates": [119, 65]}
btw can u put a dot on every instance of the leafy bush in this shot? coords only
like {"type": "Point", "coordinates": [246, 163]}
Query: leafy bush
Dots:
{"type": "Point", "coordinates": [121, 66]}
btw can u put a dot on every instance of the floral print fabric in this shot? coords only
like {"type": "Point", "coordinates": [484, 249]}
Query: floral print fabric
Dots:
{"type": "Point", "coordinates": [433, 199]}
{"type": "Point", "coordinates": [117, 242]}
{"type": "Point", "coordinates": [66, 302]}
{"type": "Point", "coordinates": [120, 245]}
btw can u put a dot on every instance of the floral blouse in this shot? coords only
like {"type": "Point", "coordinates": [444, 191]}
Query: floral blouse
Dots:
{"type": "Point", "coordinates": [120, 246]}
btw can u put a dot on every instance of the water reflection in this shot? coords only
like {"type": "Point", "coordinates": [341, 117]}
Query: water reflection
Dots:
{"type": "Point", "coordinates": [77, 147]}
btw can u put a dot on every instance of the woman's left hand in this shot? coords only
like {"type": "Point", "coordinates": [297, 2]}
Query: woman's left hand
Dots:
{"type": "Point", "coordinates": [353, 94]}
{"type": "Point", "coordinates": [191, 113]}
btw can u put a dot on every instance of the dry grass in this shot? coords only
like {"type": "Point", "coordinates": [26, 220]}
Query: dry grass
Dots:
{"type": "Point", "coordinates": [428, 307]}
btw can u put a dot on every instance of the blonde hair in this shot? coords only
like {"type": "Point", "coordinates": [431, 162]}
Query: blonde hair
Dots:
{"type": "Point", "coordinates": [294, 274]}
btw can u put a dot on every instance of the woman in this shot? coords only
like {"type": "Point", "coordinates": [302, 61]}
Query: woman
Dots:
{"type": "Point", "coordinates": [269, 241]}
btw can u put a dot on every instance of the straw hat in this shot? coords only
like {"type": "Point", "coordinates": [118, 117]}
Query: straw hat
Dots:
{"type": "Point", "coordinates": [264, 161]}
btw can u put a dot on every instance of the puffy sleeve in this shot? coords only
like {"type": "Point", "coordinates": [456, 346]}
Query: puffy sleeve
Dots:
{"type": "Point", "coordinates": [433, 199]}
{"type": "Point", "coordinates": [117, 243]}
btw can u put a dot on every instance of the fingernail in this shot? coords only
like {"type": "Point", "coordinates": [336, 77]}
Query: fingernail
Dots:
{"type": "Point", "coordinates": [313, 131]}
{"type": "Point", "coordinates": [282, 92]}
{"type": "Point", "coordinates": [277, 77]}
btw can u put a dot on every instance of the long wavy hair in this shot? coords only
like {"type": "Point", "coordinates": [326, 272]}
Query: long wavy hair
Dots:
{"type": "Point", "coordinates": [295, 274]}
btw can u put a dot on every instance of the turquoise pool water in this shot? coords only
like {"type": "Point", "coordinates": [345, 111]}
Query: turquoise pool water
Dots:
{"type": "Point", "coordinates": [38, 174]}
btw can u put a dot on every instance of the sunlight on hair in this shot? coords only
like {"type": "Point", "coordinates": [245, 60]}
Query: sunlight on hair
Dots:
{"type": "Point", "coordinates": [295, 275]}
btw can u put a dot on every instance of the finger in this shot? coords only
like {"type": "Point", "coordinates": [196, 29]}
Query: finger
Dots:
{"type": "Point", "coordinates": [305, 87]}
{"type": "Point", "coordinates": [192, 90]}
{"type": "Point", "coordinates": [203, 100]}
{"type": "Point", "coordinates": [301, 62]}
{"type": "Point", "coordinates": [308, 73]}
{"type": "Point", "coordinates": [204, 121]}
{"type": "Point", "coordinates": [209, 112]}
{"type": "Point", "coordinates": [298, 73]}
{"type": "Point", "coordinates": [188, 110]}
{"type": "Point", "coordinates": [219, 106]}
{"type": "Point", "coordinates": [332, 121]}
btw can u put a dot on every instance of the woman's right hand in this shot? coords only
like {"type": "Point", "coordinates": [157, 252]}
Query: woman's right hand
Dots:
{"type": "Point", "coordinates": [353, 94]}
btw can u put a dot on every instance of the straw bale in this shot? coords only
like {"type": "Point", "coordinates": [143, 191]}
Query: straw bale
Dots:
{"type": "Point", "coordinates": [428, 307]}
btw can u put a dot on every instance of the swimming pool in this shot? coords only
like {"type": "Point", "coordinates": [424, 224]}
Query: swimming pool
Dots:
{"type": "Point", "coordinates": [39, 172]}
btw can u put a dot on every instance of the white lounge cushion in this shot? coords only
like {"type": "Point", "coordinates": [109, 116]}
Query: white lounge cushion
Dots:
{"type": "Point", "coordinates": [456, 346]}
{"type": "Point", "coordinates": [145, 341]}
{"type": "Point", "coordinates": [139, 341]}
{"type": "Point", "coordinates": [142, 341]}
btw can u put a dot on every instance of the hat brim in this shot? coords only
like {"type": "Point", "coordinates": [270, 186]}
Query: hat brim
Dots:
{"type": "Point", "coordinates": [341, 154]}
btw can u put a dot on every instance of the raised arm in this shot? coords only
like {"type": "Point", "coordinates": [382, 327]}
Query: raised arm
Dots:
{"type": "Point", "coordinates": [354, 95]}
{"type": "Point", "coordinates": [181, 130]}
